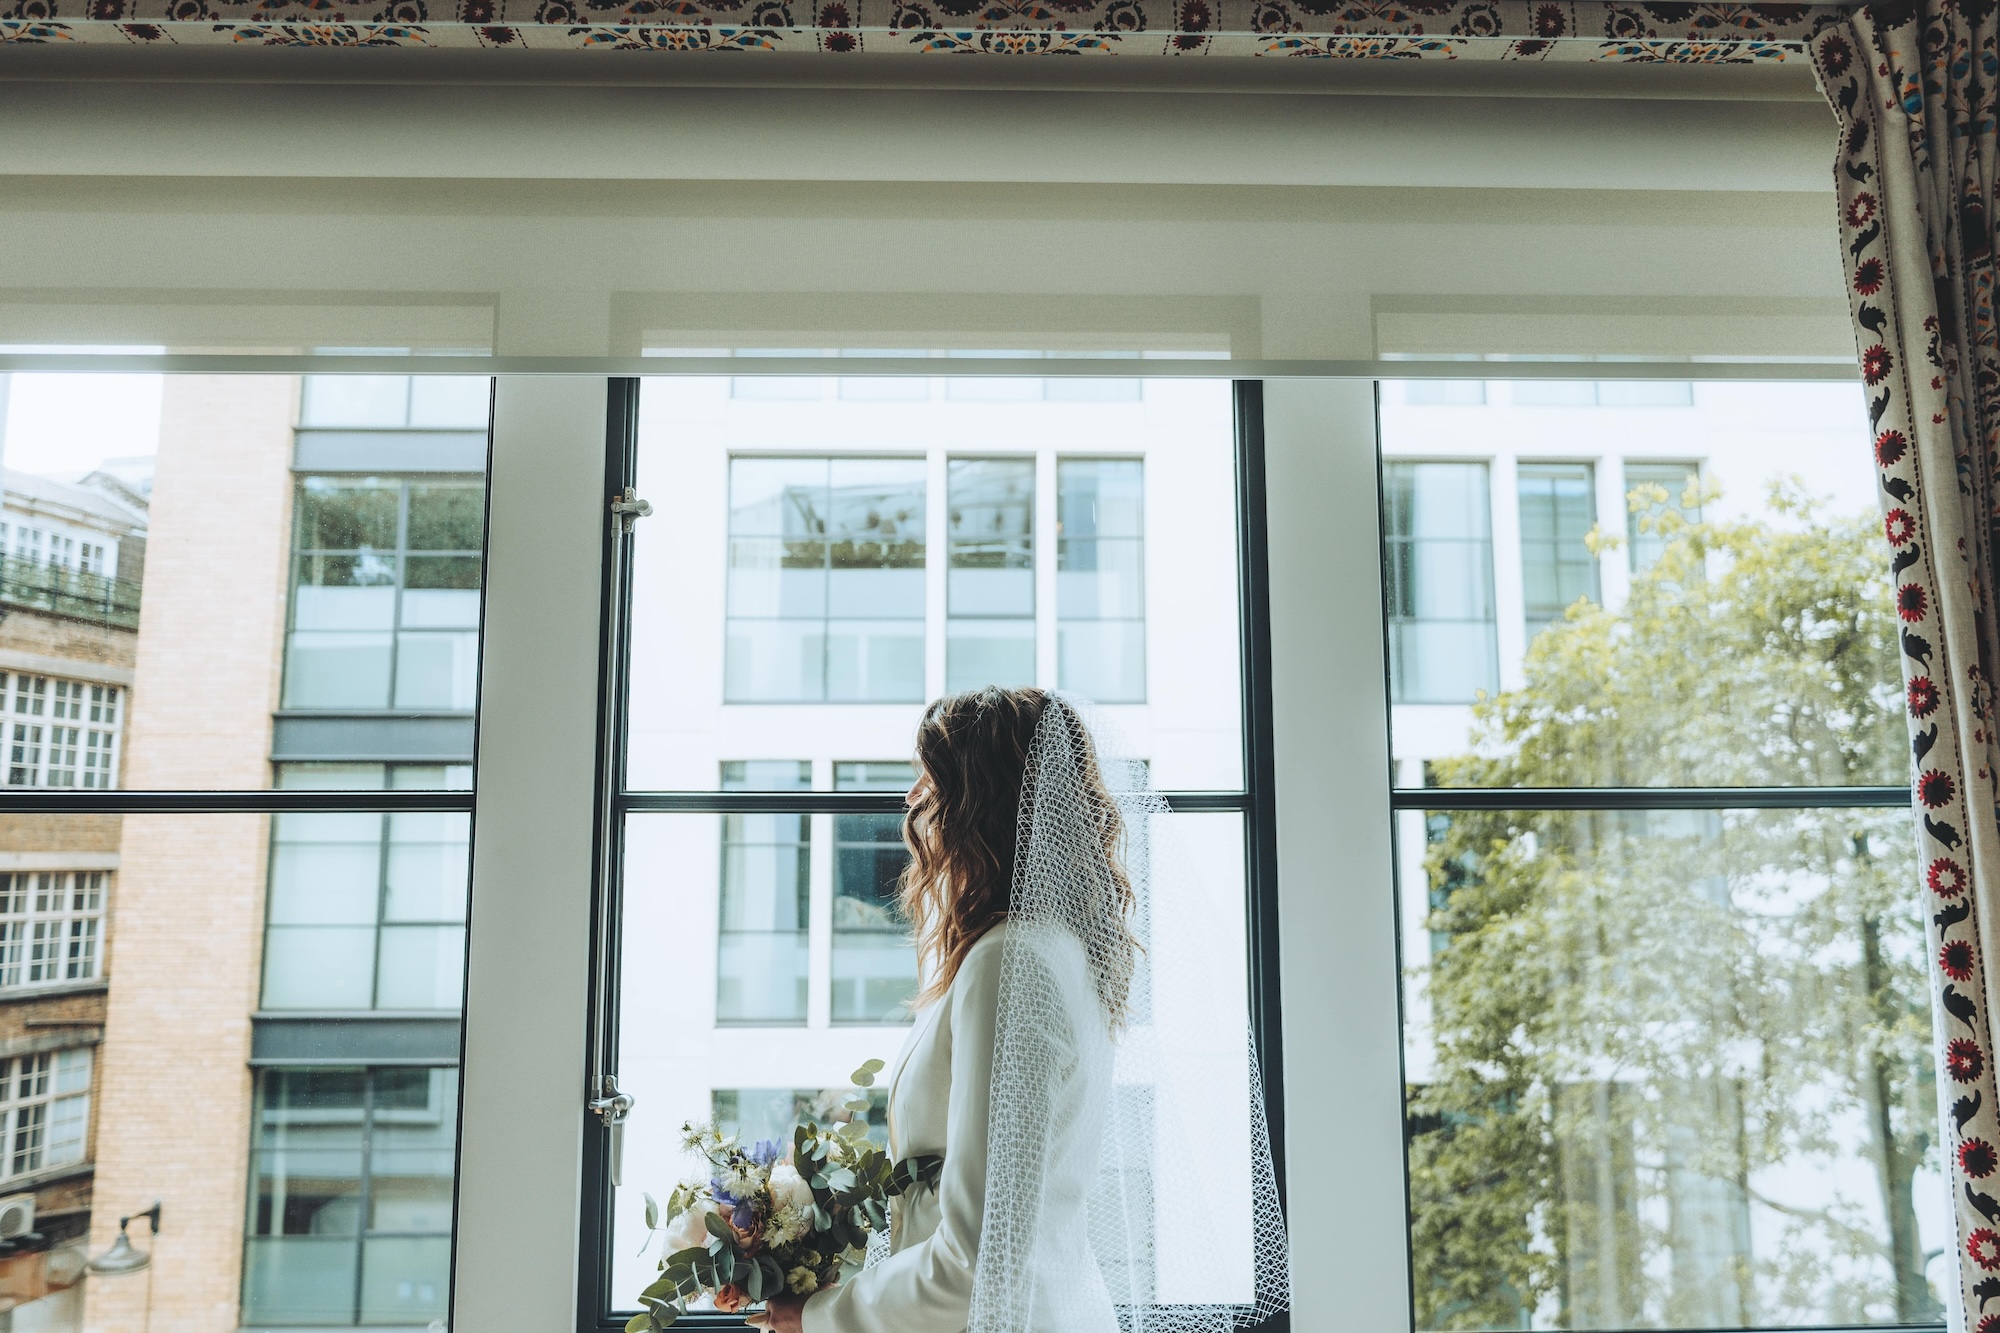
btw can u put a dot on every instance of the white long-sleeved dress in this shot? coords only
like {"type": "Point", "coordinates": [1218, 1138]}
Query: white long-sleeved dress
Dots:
{"type": "Point", "coordinates": [940, 1100]}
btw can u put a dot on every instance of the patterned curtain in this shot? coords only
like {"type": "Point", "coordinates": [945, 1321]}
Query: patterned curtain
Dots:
{"type": "Point", "coordinates": [1913, 83]}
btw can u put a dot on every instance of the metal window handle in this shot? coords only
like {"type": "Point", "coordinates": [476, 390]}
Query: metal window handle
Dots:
{"type": "Point", "coordinates": [628, 509]}
{"type": "Point", "coordinates": [612, 1107]}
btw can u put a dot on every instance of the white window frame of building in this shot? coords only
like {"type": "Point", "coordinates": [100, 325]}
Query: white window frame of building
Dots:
{"type": "Point", "coordinates": [44, 1110]}
{"type": "Point", "coordinates": [59, 731]}
{"type": "Point", "coordinates": [51, 926]}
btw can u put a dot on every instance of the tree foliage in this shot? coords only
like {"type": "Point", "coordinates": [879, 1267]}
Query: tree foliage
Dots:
{"type": "Point", "coordinates": [1651, 1027]}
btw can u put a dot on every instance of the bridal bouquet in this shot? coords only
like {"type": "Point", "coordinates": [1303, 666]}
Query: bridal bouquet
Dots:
{"type": "Point", "coordinates": [766, 1220]}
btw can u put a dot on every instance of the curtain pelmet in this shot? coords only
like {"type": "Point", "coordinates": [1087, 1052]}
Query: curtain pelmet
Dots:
{"type": "Point", "coordinates": [1913, 84]}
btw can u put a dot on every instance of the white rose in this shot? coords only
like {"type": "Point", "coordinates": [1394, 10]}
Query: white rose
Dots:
{"type": "Point", "coordinates": [789, 1188]}
{"type": "Point", "coordinates": [690, 1229]}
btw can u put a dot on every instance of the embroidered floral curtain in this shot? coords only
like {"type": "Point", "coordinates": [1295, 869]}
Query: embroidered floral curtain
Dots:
{"type": "Point", "coordinates": [1913, 84]}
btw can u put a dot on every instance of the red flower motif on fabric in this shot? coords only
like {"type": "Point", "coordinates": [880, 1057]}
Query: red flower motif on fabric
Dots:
{"type": "Point", "coordinates": [1988, 1324]}
{"type": "Point", "coordinates": [1868, 277]}
{"type": "Point", "coordinates": [1861, 210]}
{"type": "Point", "coordinates": [1549, 21]}
{"type": "Point", "coordinates": [1963, 1060]}
{"type": "Point", "coordinates": [1898, 526]}
{"type": "Point", "coordinates": [1911, 602]}
{"type": "Point", "coordinates": [1876, 363]}
{"type": "Point", "coordinates": [1977, 1159]}
{"type": "Point", "coordinates": [1946, 877]}
{"type": "Point", "coordinates": [1955, 960]}
{"type": "Point", "coordinates": [1935, 788]}
{"type": "Point", "coordinates": [1889, 447]}
{"type": "Point", "coordinates": [1835, 55]}
{"type": "Point", "coordinates": [1983, 1246]}
{"type": "Point", "coordinates": [1923, 697]}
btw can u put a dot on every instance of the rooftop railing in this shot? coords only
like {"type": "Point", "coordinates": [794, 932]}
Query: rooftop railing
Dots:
{"type": "Point", "coordinates": [98, 598]}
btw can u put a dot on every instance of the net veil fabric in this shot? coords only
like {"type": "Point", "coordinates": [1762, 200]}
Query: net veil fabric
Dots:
{"type": "Point", "coordinates": [1181, 1229]}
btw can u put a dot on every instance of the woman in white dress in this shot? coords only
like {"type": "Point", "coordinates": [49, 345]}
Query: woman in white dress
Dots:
{"type": "Point", "coordinates": [1007, 1072]}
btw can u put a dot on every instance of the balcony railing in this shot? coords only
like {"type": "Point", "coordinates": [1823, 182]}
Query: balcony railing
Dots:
{"type": "Point", "coordinates": [111, 602]}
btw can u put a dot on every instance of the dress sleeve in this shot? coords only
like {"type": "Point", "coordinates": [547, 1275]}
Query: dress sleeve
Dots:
{"type": "Point", "coordinates": [927, 1288]}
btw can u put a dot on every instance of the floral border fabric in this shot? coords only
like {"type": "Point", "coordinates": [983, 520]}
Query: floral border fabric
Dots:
{"type": "Point", "coordinates": [1914, 85]}
{"type": "Point", "coordinates": [1588, 30]}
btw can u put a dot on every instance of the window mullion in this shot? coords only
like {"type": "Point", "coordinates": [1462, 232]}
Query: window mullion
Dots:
{"type": "Point", "coordinates": [533, 859]}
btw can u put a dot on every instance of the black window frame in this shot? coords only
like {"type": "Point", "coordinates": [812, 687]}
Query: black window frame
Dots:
{"type": "Point", "coordinates": [596, 1304]}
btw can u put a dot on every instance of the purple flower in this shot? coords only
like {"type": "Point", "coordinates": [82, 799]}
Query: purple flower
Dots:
{"type": "Point", "coordinates": [765, 1151]}
{"type": "Point", "coordinates": [741, 1214]}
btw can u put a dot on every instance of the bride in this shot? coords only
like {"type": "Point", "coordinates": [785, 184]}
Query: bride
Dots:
{"type": "Point", "coordinates": [1024, 887]}
{"type": "Point", "coordinates": [1029, 977]}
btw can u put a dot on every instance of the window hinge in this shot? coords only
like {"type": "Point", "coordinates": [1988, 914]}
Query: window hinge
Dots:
{"type": "Point", "coordinates": [628, 509]}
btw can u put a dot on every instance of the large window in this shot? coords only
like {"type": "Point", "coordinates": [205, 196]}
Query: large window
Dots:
{"type": "Point", "coordinates": [1101, 579]}
{"type": "Point", "coordinates": [59, 733]}
{"type": "Point", "coordinates": [763, 828]}
{"type": "Point", "coordinates": [874, 966]}
{"type": "Point", "coordinates": [764, 925]}
{"type": "Point", "coordinates": [44, 1110]}
{"type": "Point", "coordinates": [826, 580]}
{"type": "Point", "coordinates": [385, 603]}
{"type": "Point", "coordinates": [1669, 1059]}
{"type": "Point", "coordinates": [1558, 510]}
{"type": "Point", "coordinates": [350, 1197]}
{"type": "Point", "coordinates": [1438, 561]}
{"type": "Point", "coordinates": [51, 926]}
{"type": "Point", "coordinates": [990, 591]}
{"type": "Point", "coordinates": [366, 910]}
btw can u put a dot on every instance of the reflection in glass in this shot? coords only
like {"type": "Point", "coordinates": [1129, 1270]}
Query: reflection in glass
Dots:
{"type": "Point", "coordinates": [1100, 579]}
{"type": "Point", "coordinates": [874, 963]}
{"type": "Point", "coordinates": [1669, 1069]}
{"type": "Point", "coordinates": [990, 585]}
{"type": "Point", "coordinates": [1438, 553]}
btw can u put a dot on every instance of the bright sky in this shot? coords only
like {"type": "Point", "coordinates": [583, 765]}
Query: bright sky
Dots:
{"type": "Point", "coordinates": [67, 424]}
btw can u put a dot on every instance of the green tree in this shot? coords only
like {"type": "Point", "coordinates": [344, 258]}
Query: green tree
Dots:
{"type": "Point", "coordinates": [1637, 1015]}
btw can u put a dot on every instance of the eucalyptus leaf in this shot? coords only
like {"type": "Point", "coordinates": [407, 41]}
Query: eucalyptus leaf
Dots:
{"type": "Point", "coordinates": [717, 1227]}
{"type": "Point", "coordinates": [865, 1076]}
{"type": "Point", "coordinates": [642, 1322]}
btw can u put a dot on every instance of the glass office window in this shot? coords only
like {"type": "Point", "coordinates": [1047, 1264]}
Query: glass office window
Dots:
{"type": "Point", "coordinates": [1558, 510]}
{"type": "Point", "coordinates": [874, 970]}
{"type": "Point", "coordinates": [351, 1196]}
{"type": "Point", "coordinates": [393, 402]}
{"type": "Point", "coordinates": [1653, 491]}
{"type": "Point", "coordinates": [764, 920]}
{"type": "Point", "coordinates": [366, 910]}
{"type": "Point", "coordinates": [826, 580]}
{"type": "Point", "coordinates": [990, 586]}
{"type": "Point", "coordinates": [1100, 579]}
{"type": "Point", "coordinates": [1438, 566]}
{"type": "Point", "coordinates": [385, 601]}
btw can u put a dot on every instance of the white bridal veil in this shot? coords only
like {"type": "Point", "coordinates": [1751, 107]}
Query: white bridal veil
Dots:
{"type": "Point", "coordinates": [1184, 1228]}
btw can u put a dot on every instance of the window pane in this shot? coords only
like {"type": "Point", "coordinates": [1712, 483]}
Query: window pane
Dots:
{"type": "Point", "coordinates": [1709, 1078]}
{"type": "Point", "coordinates": [355, 400]}
{"type": "Point", "coordinates": [989, 652]}
{"type": "Point", "coordinates": [757, 1084]}
{"type": "Point", "coordinates": [821, 571]}
{"type": "Point", "coordinates": [1702, 655]}
{"type": "Point", "coordinates": [250, 579]}
{"type": "Point", "coordinates": [1558, 510]}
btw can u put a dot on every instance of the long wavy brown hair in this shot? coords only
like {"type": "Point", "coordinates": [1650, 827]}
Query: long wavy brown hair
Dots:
{"type": "Point", "coordinates": [963, 829]}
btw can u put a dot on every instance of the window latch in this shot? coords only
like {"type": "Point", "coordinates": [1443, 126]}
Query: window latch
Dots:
{"type": "Point", "coordinates": [612, 1106]}
{"type": "Point", "coordinates": [628, 509]}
